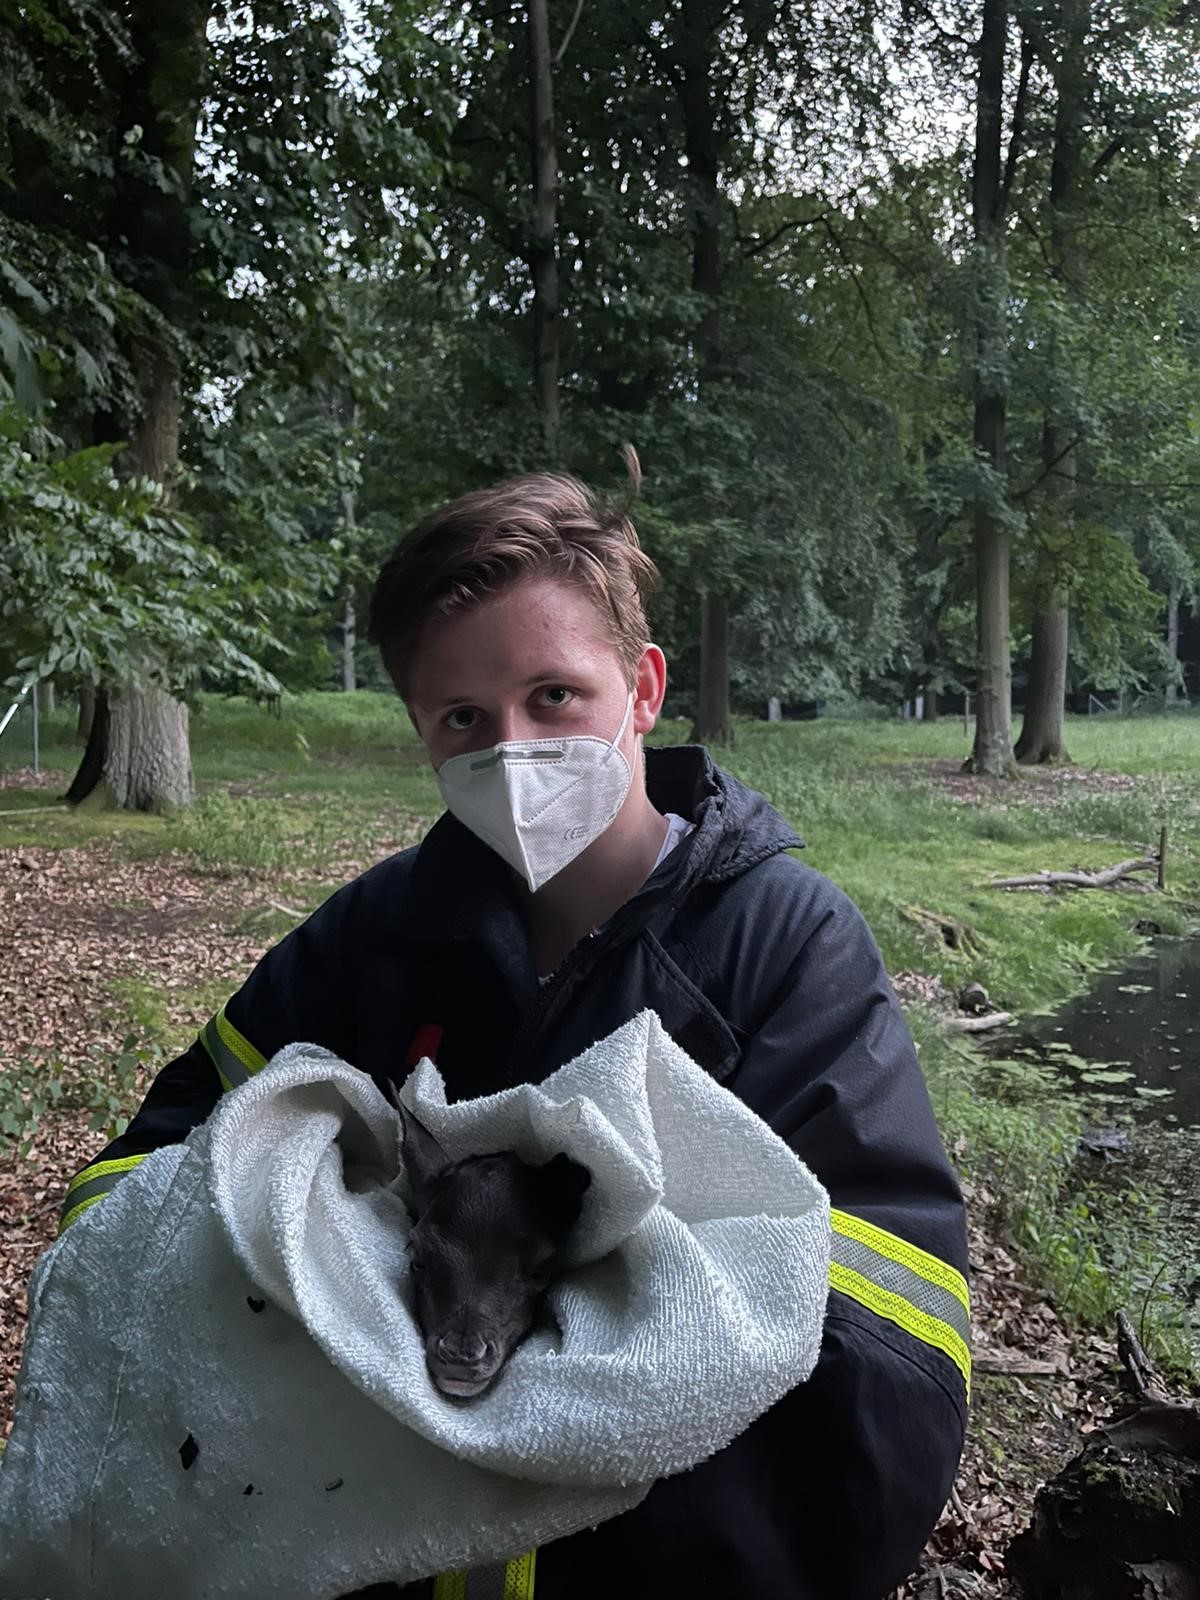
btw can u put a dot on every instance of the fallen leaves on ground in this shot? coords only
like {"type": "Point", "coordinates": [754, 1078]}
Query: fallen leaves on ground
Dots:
{"type": "Point", "coordinates": [73, 922]}
{"type": "Point", "coordinates": [1043, 787]}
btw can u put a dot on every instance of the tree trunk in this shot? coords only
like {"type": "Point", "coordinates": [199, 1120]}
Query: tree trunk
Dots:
{"type": "Point", "coordinates": [45, 690]}
{"type": "Point", "coordinates": [931, 705]}
{"type": "Point", "coordinates": [161, 94]}
{"type": "Point", "coordinates": [993, 753]}
{"type": "Point", "coordinates": [1042, 730]}
{"type": "Point", "coordinates": [349, 677]}
{"type": "Point", "coordinates": [147, 765]}
{"type": "Point", "coordinates": [1173, 597]}
{"type": "Point", "coordinates": [87, 711]}
{"type": "Point", "coordinates": [774, 709]}
{"type": "Point", "coordinates": [349, 618]}
{"type": "Point", "coordinates": [543, 257]}
{"type": "Point", "coordinates": [91, 768]}
{"type": "Point", "coordinates": [713, 723]}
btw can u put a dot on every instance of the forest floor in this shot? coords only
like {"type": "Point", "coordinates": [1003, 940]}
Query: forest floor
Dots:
{"type": "Point", "coordinates": [120, 936]}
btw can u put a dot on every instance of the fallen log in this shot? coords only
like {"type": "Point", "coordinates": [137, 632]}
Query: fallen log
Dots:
{"type": "Point", "coordinates": [1011, 1364]}
{"type": "Point", "coordinates": [1079, 880]}
{"type": "Point", "coordinates": [994, 1019]}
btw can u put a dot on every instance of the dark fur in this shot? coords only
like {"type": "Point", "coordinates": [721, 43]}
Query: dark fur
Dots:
{"type": "Point", "coordinates": [486, 1240]}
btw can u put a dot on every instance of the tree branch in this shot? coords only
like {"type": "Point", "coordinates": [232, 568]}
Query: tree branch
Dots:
{"type": "Point", "coordinates": [567, 37]}
{"type": "Point", "coordinates": [1018, 121]}
{"type": "Point", "coordinates": [796, 222]}
{"type": "Point", "coordinates": [1023, 219]}
{"type": "Point", "coordinates": [862, 294]}
{"type": "Point", "coordinates": [1020, 494]}
{"type": "Point", "coordinates": [1106, 155]}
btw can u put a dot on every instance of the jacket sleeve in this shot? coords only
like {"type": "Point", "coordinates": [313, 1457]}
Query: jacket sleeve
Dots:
{"type": "Point", "coordinates": [296, 992]}
{"type": "Point", "coordinates": [832, 1494]}
{"type": "Point", "coordinates": [833, 1068]}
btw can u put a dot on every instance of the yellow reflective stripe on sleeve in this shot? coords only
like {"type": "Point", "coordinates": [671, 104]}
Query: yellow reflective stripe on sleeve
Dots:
{"type": "Point", "coordinates": [519, 1576]}
{"type": "Point", "coordinates": [92, 1184]}
{"type": "Point", "coordinates": [504, 1580]}
{"type": "Point", "coordinates": [231, 1053]}
{"type": "Point", "coordinates": [77, 1211]}
{"type": "Point", "coordinates": [103, 1169]}
{"type": "Point", "coordinates": [897, 1280]}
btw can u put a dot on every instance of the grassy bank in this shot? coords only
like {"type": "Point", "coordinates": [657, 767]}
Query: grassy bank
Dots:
{"type": "Point", "coordinates": [885, 814]}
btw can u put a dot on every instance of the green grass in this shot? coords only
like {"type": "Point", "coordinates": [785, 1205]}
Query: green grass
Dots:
{"type": "Point", "coordinates": [333, 770]}
{"type": "Point", "coordinates": [295, 793]}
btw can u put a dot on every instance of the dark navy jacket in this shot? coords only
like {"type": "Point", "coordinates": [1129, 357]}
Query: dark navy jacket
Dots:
{"type": "Point", "coordinates": [767, 975]}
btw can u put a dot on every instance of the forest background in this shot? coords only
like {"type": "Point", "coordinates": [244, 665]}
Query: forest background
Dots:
{"type": "Point", "coordinates": [899, 303]}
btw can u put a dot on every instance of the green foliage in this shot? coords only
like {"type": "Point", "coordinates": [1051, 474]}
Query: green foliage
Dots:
{"type": "Point", "coordinates": [106, 1085]}
{"type": "Point", "coordinates": [104, 583]}
{"type": "Point", "coordinates": [352, 325]}
{"type": "Point", "coordinates": [220, 832]}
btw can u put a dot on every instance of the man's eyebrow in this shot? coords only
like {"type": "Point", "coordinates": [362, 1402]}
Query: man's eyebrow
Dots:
{"type": "Point", "coordinates": [552, 675]}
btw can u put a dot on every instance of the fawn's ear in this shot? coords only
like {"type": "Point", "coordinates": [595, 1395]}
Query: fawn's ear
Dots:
{"type": "Point", "coordinates": [560, 1188]}
{"type": "Point", "coordinates": [424, 1158]}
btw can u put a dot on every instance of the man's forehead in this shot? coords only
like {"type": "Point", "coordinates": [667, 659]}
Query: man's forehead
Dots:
{"type": "Point", "coordinates": [543, 634]}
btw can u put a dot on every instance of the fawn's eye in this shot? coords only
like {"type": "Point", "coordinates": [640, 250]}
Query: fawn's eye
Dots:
{"type": "Point", "coordinates": [416, 1265]}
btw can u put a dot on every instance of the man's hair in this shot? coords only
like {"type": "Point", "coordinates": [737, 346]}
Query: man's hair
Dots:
{"type": "Point", "coordinates": [541, 525]}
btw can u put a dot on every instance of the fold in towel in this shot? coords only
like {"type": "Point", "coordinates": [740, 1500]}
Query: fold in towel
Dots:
{"type": "Point", "coordinates": [224, 1393]}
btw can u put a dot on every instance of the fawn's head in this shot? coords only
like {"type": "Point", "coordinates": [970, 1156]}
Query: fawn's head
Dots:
{"type": "Point", "coordinates": [486, 1238]}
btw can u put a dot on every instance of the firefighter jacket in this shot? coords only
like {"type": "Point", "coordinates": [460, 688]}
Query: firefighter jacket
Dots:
{"type": "Point", "coordinates": [767, 975]}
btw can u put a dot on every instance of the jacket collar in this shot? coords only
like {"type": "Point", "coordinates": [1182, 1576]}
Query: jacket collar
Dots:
{"type": "Point", "coordinates": [460, 889]}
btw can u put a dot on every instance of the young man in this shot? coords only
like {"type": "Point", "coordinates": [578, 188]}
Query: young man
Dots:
{"type": "Point", "coordinates": [575, 880]}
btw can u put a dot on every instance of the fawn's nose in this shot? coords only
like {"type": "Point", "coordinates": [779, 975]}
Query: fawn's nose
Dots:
{"type": "Point", "coordinates": [462, 1349]}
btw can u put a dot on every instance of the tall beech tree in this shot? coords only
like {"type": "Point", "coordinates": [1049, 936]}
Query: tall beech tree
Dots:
{"type": "Point", "coordinates": [239, 159]}
{"type": "Point", "coordinates": [991, 181]}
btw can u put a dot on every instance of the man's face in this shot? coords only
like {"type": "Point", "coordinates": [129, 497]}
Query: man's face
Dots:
{"type": "Point", "coordinates": [535, 662]}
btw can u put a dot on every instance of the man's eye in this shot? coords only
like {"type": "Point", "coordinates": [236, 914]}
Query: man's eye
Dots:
{"type": "Point", "coordinates": [557, 695]}
{"type": "Point", "coordinates": [461, 718]}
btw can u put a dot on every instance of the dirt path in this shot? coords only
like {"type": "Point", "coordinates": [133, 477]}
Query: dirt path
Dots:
{"type": "Point", "coordinates": [74, 921]}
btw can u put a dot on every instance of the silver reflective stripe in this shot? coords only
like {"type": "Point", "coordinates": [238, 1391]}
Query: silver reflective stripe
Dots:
{"type": "Point", "coordinates": [487, 1583]}
{"type": "Point", "coordinates": [89, 1190]}
{"type": "Point", "coordinates": [92, 1184]}
{"type": "Point", "coordinates": [230, 1070]}
{"type": "Point", "coordinates": [501, 1580]}
{"type": "Point", "coordinates": [898, 1279]}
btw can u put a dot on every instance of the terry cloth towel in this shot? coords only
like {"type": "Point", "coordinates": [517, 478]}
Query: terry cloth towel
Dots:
{"type": "Point", "coordinates": [223, 1392]}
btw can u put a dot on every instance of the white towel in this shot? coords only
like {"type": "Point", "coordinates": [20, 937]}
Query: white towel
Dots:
{"type": "Point", "coordinates": [224, 1393]}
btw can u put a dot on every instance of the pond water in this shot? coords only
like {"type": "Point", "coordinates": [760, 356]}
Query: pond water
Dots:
{"type": "Point", "coordinates": [1129, 1050]}
{"type": "Point", "coordinates": [1134, 1037]}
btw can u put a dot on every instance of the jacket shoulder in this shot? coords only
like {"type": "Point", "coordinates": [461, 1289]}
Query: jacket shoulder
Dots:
{"type": "Point", "coordinates": [787, 893]}
{"type": "Point", "coordinates": [379, 891]}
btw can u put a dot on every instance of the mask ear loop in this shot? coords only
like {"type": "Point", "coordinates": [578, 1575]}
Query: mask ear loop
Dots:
{"type": "Point", "coordinates": [620, 733]}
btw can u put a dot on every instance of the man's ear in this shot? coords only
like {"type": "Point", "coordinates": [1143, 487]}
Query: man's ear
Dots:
{"type": "Point", "coordinates": [424, 1159]}
{"type": "Point", "coordinates": [650, 687]}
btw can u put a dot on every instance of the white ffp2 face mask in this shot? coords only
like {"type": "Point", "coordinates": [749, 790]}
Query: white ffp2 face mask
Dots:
{"type": "Point", "coordinates": [539, 802]}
